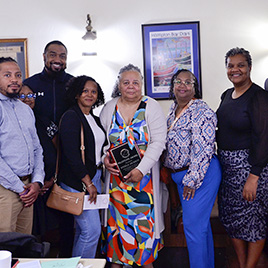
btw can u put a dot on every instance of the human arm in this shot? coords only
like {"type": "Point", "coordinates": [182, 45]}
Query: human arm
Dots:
{"type": "Point", "coordinates": [17, 150]}
{"type": "Point", "coordinates": [258, 156]}
{"type": "Point", "coordinates": [30, 194]}
{"type": "Point", "coordinates": [157, 130]}
{"type": "Point", "coordinates": [92, 190]}
{"type": "Point", "coordinates": [70, 144]}
{"type": "Point", "coordinates": [203, 126]}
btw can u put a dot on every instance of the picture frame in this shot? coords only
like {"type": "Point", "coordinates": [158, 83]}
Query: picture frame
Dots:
{"type": "Point", "coordinates": [16, 49]}
{"type": "Point", "coordinates": [168, 47]}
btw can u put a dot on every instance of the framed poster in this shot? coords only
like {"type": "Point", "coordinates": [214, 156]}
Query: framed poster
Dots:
{"type": "Point", "coordinates": [168, 47]}
{"type": "Point", "coordinates": [16, 49]}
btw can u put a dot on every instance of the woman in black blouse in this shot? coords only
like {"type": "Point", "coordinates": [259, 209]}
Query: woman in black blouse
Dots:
{"type": "Point", "coordinates": [242, 139]}
{"type": "Point", "coordinates": [85, 94]}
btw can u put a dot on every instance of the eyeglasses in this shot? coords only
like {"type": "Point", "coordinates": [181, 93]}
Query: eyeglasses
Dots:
{"type": "Point", "coordinates": [29, 96]}
{"type": "Point", "coordinates": [179, 82]}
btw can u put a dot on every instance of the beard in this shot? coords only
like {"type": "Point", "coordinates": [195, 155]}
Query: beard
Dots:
{"type": "Point", "coordinates": [53, 70]}
{"type": "Point", "coordinates": [12, 95]}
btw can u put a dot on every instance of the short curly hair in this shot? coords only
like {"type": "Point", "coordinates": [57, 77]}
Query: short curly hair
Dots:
{"type": "Point", "coordinates": [196, 87]}
{"type": "Point", "coordinates": [239, 51]}
{"type": "Point", "coordinates": [75, 87]}
{"type": "Point", "coordinates": [127, 68]}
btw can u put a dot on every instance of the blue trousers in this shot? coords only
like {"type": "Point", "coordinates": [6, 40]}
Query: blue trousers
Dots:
{"type": "Point", "coordinates": [196, 216]}
{"type": "Point", "coordinates": [88, 227]}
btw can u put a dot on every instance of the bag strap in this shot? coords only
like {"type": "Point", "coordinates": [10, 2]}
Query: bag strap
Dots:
{"type": "Point", "coordinates": [82, 148]}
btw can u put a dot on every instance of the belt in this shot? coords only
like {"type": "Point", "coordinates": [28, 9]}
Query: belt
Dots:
{"type": "Point", "coordinates": [99, 166]}
{"type": "Point", "coordinates": [178, 170]}
{"type": "Point", "coordinates": [25, 178]}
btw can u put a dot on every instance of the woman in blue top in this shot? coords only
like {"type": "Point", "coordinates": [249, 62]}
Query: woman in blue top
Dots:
{"type": "Point", "coordinates": [194, 167]}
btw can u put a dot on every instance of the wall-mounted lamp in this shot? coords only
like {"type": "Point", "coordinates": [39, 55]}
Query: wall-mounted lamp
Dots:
{"type": "Point", "coordinates": [90, 34]}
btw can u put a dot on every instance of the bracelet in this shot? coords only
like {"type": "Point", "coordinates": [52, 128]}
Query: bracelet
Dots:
{"type": "Point", "coordinates": [91, 184]}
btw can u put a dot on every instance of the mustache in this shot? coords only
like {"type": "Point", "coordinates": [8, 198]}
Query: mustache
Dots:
{"type": "Point", "coordinates": [14, 84]}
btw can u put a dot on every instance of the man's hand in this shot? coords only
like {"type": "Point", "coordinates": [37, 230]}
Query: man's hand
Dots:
{"type": "Point", "coordinates": [30, 194]}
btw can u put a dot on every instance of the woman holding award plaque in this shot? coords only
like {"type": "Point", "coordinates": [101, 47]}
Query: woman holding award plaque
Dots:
{"type": "Point", "coordinates": [135, 127]}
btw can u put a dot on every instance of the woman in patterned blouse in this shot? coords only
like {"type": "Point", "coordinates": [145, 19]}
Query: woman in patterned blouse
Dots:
{"type": "Point", "coordinates": [194, 167]}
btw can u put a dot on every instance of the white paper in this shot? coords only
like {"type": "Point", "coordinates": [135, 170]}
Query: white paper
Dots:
{"type": "Point", "coordinates": [30, 264]}
{"type": "Point", "coordinates": [102, 202]}
{"type": "Point", "coordinates": [5, 259]}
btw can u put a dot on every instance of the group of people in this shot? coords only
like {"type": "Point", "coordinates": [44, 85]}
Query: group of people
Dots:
{"type": "Point", "coordinates": [185, 142]}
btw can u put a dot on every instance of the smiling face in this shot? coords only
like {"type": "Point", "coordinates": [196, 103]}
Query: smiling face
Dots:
{"type": "Point", "coordinates": [183, 87]}
{"type": "Point", "coordinates": [88, 97]}
{"type": "Point", "coordinates": [55, 58]}
{"type": "Point", "coordinates": [238, 70]}
{"type": "Point", "coordinates": [27, 96]}
{"type": "Point", "coordinates": [130, 86]}
{"type": "Point", "coordinates": [10, 79]}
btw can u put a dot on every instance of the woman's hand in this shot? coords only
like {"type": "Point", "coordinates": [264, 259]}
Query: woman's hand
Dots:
{"type": "Point", "coordinates": [250, 188]}
{"type": "Point", "coordinates": [92, 190]}
{"type": "Point", "coordinates": [47, 185]}
{"type": "Point", "coordinates": [188, 193]}
{"type": "Point", "coordinates": [134, 176]}
{"type": "Point", "coordinates": [110, 166]}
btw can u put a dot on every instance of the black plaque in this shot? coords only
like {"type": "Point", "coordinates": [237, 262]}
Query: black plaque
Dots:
{"type": "Point", "coordinates": [125, 158]}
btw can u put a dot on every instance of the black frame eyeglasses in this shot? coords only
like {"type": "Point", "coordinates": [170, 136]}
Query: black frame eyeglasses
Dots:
{"type": "Point", "coordinates": [29, 96]}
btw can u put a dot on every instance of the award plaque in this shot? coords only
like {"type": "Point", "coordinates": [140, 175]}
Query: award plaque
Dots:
{"type": "Point", "coordinates": [125, 158]}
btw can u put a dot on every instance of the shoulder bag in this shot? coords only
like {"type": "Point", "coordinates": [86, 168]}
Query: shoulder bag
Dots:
{"type": "Point", "coordinates": [63, 200]}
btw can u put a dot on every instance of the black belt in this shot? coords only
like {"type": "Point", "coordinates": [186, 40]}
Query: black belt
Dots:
{"type": "Point", "coordinates": [179, 169]}
{"type": "Point", "coordinates": [99, 166]}
{"type": "Point", "coordinates": [25, 178]}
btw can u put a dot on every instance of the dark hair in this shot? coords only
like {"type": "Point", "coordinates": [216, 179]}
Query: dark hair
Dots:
{"type": "Point", "coordinates": [54, 42]}
{"type": "Point", "coordinates": [239, 51]}
{"type": "Point", "coordinates": [75, 87]}
{"type": "Point", "coordinates": [7, 59]}
{"type": "Point", "coordinates": [197, 94]}
{"type": "Point", "coordinates": [127, 68]}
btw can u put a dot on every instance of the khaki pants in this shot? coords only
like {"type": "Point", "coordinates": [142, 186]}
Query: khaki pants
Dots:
{"type": "Point", "coordinates": [13, 216]}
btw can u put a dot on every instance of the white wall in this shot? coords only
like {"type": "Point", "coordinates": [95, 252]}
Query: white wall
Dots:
{"type": "Point", "coordinates": [223, 25]}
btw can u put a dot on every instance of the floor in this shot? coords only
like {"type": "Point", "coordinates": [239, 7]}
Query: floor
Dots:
{"type": "Point", "coordinates": [177, 256]}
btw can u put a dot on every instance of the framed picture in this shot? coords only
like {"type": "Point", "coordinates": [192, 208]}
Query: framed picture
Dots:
{"type": "Point", "coordinates": [168, 47]}
{"type": "Point", "coordinates": [16, 49]}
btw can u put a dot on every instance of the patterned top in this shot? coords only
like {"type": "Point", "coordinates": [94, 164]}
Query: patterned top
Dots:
{"type": "Point", "coordinates": [191, 141]}
{"type": "Point", "coordinates": [136, 132]}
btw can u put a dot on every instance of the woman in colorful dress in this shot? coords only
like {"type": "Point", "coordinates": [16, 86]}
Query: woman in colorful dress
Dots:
{"type": "Point", "coordinates": [135, 215]}
{"type": "Point", "coordinates": [193, 164]}
{"type": "Point", "coordinates": [242, 139]}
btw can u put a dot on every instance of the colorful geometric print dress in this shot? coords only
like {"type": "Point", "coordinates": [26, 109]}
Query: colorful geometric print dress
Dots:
{"type": "Point", "coordinates": [130, 227]}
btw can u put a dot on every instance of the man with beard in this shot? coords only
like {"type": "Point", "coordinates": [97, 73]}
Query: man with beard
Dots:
{"type": "Point", "coordinates": [49, 85]}
{"type": "Point", "coordinates": [21, 159]}
{"type": "Point", "coordinates": [50, 104]}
